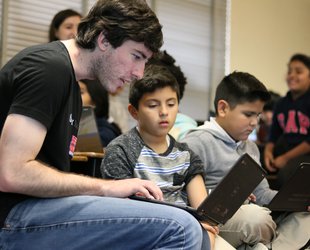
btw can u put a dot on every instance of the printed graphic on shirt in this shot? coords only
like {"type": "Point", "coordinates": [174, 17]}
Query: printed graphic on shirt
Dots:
{"type": "Point", "coordinates": [72, 145]}
{"type": "Point", "coordinates": [295, 122]}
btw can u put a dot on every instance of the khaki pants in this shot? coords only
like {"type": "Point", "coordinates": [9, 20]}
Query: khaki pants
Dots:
{"type": "Point", "coordinates": [252, 224]}
{"type": "Point", "coordinates": [293, 231]}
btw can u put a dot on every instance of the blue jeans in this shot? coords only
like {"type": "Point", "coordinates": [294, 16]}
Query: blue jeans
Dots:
{"type": "Point", "coordinates": [90, 222]}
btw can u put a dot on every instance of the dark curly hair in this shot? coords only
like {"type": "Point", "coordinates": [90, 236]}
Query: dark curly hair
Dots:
{"type": "Point", "coordinates": [120, 20]}
{"type": "Point", "coordinates": [165, 59]}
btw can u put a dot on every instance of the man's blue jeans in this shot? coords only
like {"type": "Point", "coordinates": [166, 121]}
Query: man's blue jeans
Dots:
{"type": "Point", "coordinates": [91, 222]}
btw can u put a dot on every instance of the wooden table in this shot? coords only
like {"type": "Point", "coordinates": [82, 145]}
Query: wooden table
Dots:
{"type": "Point", "coordinates": [87, 163]}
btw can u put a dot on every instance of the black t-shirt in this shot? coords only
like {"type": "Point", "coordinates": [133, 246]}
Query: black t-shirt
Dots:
{"type": "Point", "coordinates": [39, 82]}
{"type": "Point", "coordinates": [291, 119]}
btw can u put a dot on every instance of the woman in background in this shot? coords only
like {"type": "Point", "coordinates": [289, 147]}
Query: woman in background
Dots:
{"type": "Point", "coordinates": [64, 25]}
{"type": "Point", "coordinates": [94, 95]}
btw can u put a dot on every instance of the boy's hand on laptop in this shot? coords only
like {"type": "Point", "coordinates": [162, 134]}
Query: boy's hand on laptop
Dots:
{"type": "Point", "coordinates": [252, 198]}
{"type": "Point", "coordinates": [127, 187]}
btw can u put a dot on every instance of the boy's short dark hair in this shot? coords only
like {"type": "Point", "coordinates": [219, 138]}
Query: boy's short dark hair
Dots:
{"type": "Point", "coordinates": [120, 20]}
{"type": "Point", "coordinates": [240, 87]}
{"type": "Point", "coordinates": [301, 58]}
{"type": "Point", "coordinates": [155, 77]}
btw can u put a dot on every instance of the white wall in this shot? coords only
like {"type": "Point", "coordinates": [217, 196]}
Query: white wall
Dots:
{"type": "Point", "coordinates": [264, 35]}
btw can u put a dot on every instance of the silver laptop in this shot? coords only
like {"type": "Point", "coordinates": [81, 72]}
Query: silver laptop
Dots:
{"type": "Point", "coordinates": [228, 195]}
{"type": "Point", "coordinates": [88, 138]}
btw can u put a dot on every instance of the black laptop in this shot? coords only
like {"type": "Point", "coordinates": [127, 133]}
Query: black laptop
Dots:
{"type": "Point", "coordinates": [228, 195]}
{"type": "Point", "coordinates": [294, 196]}
{"type": "Point", "coordinates": [88, 138]}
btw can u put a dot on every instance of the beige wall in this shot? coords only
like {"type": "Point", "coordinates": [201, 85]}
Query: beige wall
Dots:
{"type": "Point", "coordinates": [264, 35]}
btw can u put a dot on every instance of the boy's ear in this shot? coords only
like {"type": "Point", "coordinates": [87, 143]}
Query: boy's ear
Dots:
{"type": "Point", "coordinates": [133, 111]}
{"type": "Point", "coordinates": [222, 107]}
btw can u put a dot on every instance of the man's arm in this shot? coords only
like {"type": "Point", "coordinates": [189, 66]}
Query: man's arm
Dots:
{"type": "Point", "coordinates": [21, 140]}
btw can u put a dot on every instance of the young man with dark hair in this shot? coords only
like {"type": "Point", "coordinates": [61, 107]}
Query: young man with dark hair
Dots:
{"type": "Point", "coordinates": [42, 205]}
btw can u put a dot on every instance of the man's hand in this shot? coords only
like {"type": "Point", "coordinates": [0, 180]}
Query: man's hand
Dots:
{"type": "Point", "coordinates": [125, 188]}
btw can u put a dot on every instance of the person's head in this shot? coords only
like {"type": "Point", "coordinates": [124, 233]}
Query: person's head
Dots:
{"type": "Point", "coordinates": [94, 94]}
{"type": "Point", "coordinates": [153, 100]}
{"type": "Point", "coordinates": [165, 59]}
{"type": "Point", "coordinates": [119, 21]}
{"type": "Point", "coordinates": [239, 100]}
{"type": "Point", "coordinates": [298, 74]}
{"type": "Point", "coordinates": [64, 25]}
{"type": "Point", "coordinates": [123, 34]}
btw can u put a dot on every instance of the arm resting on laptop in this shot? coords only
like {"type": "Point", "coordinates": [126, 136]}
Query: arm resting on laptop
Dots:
{"type": "Point", "coordinates": [196, 193]}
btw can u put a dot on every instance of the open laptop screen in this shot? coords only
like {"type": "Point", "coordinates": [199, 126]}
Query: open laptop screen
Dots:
{"type": "Point", "coordinates": [88, 138]}
{"type": "Point", "coordinates": [228, 195]}
{"type": "Point", "coordinates": [294, 196]}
